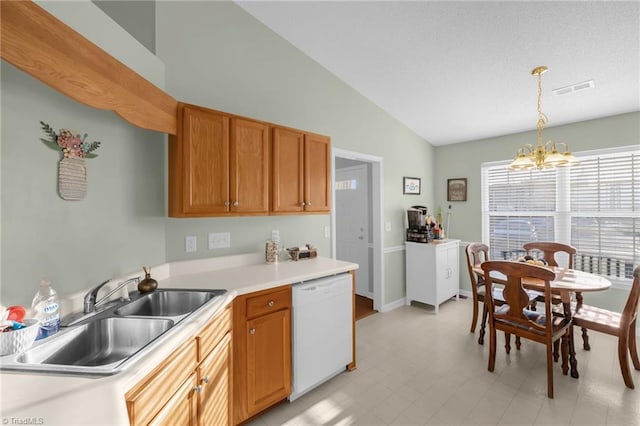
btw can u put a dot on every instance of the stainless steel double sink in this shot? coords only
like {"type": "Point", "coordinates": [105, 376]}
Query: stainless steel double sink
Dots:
{"type": "Point", "coordinates": [104, 342]}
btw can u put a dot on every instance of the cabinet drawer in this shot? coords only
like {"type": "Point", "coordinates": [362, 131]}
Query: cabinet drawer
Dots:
{"type": "Point", "coordinates": [271, 301]}
{"type": "Point", "coordinates": [148, 398]}
{"type": "Point", "coordinates": [214, 331]}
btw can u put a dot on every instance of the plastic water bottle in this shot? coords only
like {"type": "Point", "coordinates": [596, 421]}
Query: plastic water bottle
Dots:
{"type": "Point", "coordinates": [46, 308]}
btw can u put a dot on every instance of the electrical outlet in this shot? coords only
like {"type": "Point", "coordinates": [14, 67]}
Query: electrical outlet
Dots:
{"type": "Point", "coordinates": [190, 244]}
{"type": "Point", "coordinates": [219, 240]}
{"type": "Point", "coordinates": [327, 231]}
{"type": "Point", "coordinates": [275, 235]}
{"type": "Point", "coordinates": [387, 226]}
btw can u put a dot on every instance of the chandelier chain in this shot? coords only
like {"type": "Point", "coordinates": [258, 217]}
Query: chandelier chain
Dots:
{"type": "Point", "coordinates": [542, 119]}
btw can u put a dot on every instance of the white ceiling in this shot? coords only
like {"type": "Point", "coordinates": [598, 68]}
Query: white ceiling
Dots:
{"type": "Point", "coordinates": [460, 71]}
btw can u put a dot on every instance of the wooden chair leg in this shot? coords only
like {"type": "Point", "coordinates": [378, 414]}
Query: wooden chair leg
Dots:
{"type": "Point", "coordinates": [565, 353]}
{"type": "Point", "coordinates": [623, 357]}
{"type": "Point", "coordinates": [492, 348]}
{"type": "Point", "coordinates": [633, 349]}
{"type": "Point", "coordinates": [556, 350]}
{"type": "Point", "coordinates": [483, 326]}
{"type": "Point", "coordinates": [474, 321]}
{"type": "Point", "coordinates": [518, 343]}
{"type": "Point", "coordinates": [549, 371]}
{"type": "Point", "coordinates": [585, 340]}
{"type": "Point", "coordinates": [507, 342]}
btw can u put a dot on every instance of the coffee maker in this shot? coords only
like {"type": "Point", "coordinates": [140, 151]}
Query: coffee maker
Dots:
{"type": "Point", "coordinates": [417, 216]}
{"type": "Point", "coordinates": [418, 231]}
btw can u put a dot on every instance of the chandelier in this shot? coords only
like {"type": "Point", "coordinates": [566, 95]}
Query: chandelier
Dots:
{"type": "Point", "coordinates": [546, 155]}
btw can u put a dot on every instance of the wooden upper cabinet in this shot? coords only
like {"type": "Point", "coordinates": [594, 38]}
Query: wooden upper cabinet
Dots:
{"type": "Point", "coordinates": [218, 165]}
{"type": "Point", "coordinates": [249, 166]}
{"type": "Point", "coordinates": [317, 180]}
{"type": "Point", "coordinates": [301, 172]}
{"type": "Point", "coordinates": [287, 192]}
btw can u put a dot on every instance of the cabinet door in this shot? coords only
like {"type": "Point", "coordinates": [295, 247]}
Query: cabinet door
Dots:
{"type": "Point", "coordinates": [317, 179]}
{"type": "Point", "coordinates": [452, 269]}
{"type": "Point", "coordinates": [249, 167]}
{"type": "Point", "coordinates": [215, 400]}
{"type": "Point", "coordinates": [205, 165]}
{"type": "Point", "coordinates": [268, 360]}
{"type": "Point", "coordinates": [152, 394]}
{"type": "Point", "coordinates": [287, 191]}
{"type": "Point", "coordinates": [181, 408]}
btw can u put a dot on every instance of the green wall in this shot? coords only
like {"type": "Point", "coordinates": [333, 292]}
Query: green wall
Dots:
{"type": "Point", "coordinates": [115, 230]}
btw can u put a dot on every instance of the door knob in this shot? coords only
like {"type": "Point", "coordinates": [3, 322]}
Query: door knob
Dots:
{"type": "Point", "coordinates": [252, 331]}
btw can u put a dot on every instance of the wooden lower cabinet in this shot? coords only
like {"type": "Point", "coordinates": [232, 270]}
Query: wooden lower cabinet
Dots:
{"type": "Point", "coordinates": [181, 409]}
{"type": "Point", "coordinates": [262, 351]}
{"type": "Point", "coordinates": [214, 373]}
{"type": "Point", "coordinates": [193, 386]}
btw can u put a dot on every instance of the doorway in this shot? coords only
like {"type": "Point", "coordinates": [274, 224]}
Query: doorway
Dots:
{"type": "Point", "coordinates": [356, 221]}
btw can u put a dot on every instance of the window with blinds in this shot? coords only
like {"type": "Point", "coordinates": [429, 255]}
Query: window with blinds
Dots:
{"type": "Point", "coordinates": [594, 206]}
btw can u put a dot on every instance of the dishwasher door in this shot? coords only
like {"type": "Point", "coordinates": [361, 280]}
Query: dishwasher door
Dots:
{"type": "Point", "coordinates": [322, 331]}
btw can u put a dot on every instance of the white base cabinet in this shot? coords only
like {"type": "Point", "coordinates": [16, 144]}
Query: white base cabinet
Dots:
{"type": "Point", "coordinates": [432, 272]}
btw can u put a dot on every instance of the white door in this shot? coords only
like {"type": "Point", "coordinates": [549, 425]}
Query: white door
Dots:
{"type": "Point", "coordinates": [352, 222]}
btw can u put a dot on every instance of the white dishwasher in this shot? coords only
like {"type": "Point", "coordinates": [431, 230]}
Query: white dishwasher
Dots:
{"type": "Point", "coordinates": [322, 331]}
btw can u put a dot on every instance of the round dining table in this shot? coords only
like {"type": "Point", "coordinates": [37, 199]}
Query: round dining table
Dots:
{"type": "Point", "coordinates": [567, 282]}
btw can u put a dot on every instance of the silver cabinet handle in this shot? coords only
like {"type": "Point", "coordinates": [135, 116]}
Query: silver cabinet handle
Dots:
{"type": "Point", "coordinates": [226, 203]}
{"type": "Point", "coordinates": [271, 303]}
{"type": "Point", "coordinates": [205, 379]}
{"type": "Point", "coordinates": [236, 203]}
{"type": "Point", "coordinates": [198, 389]}
{"type": "Point", "coordinates": [308, 203]}
{"type": "Point", "coordinates": [252, 331]}
{"type": "Point", "coordinates": [302, 204]}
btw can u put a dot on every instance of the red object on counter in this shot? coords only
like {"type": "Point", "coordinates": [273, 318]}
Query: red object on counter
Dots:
{"type": "Point", "coordinates": [16, 313]}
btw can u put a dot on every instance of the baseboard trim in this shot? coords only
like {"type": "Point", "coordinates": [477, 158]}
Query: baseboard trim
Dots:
{"type": "Point", "coordinates": [393, 305]}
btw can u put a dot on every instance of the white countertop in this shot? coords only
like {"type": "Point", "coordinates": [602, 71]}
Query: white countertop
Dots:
{"type": "Point", "coordinates": [55, 399]}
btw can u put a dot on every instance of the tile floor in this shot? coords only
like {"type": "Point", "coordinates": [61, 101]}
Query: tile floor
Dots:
{"type": "Point", "coordinates": [417, 368]}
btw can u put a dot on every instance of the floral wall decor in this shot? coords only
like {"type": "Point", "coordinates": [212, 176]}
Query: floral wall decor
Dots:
{"type": "Point", "coordinates": [72, 172]}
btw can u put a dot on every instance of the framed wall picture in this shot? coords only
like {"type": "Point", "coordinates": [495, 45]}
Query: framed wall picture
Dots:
{"type": "Point", "coordinates": [411, 185]}
{"type": "Point", "coordinates": [457, 189]}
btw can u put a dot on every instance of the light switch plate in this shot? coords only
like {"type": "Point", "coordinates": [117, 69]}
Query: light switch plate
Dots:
{"type": "Point", "coordinates": [387, 226]}
{"type": "Point", "coordinates": [327, 231]}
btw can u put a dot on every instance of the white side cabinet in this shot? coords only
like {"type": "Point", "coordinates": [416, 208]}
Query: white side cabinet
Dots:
{"type": "Point", "coordinates": [432, 272]}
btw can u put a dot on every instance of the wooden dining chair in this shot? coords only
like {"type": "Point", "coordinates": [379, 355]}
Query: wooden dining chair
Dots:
{"type": "Point", "coordinates": [622, 325]}
{"type": "Point", "coordinates": [476, 254]}
{"type": "Point", "coordinates": [549, 250]}
{"type": "Point", "coordinates": [513, 317]}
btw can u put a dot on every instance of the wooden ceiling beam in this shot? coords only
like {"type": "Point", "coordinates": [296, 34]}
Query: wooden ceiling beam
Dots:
{"type": "Point", "coordinates": [46, 48]}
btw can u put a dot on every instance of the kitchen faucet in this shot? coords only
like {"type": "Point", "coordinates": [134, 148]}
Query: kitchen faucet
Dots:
{"type": "Point", "coordinates": [90, 302]}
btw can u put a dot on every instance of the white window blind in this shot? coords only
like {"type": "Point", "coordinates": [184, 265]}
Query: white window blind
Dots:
{"type": "Point", "coordinates": [605, 213]}
{"type": "Point", "coordinates": [593, 206]}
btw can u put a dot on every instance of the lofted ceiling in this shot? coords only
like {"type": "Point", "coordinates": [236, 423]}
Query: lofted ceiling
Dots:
{"type": "Point", "coordinates": [455, 71]}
